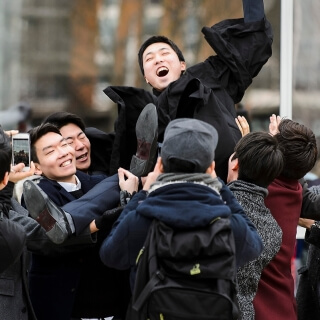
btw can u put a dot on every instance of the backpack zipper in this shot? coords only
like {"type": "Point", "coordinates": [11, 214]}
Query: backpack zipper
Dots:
{"type": "Point", "coordinates": [139, 254]}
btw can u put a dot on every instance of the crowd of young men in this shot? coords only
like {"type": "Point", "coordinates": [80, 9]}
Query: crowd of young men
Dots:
{"type": "Point", "coordinates": [89, 218]}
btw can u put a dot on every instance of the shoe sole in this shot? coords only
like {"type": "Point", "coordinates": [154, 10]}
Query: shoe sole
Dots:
{"type": "Point", "coordinates": [146, 130]}
{"type": "Point", "coordinates": [53, 224]}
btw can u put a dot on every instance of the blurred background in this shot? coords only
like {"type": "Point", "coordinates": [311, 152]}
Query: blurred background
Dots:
{"type": "Point", "coordinates": [60, 55]}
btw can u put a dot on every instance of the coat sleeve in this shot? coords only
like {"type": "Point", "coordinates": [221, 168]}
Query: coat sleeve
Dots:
{"type": "Point", "coordinates": [242, 49]}
{"type": "Point", "coordinates": [130, 102]}
{"type": "Point", "coordinates": [37, 241]}
{"type": "Point", "coordinates": [310, 203]}
{"type": "Point", "coordinates": [103, 196]}
{"type": "Point", "coordinates": [120, 249]}
{"type": "Point", "coordinates": [12, 242]}
{"type": "Point", "coordinates": [6, 195]}
{"type": "Point", "coordinates": [248, 242]}
{"type": "Point", "coordinates": [253, 10]}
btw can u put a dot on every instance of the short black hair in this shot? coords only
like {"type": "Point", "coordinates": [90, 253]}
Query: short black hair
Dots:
{"type": "Point", "coordinates": [36, 133]}
{"type": "Point", "coordinates": [179, 166]}
{"type": "Point", "coordinates": [5, 154]}
{"type": "Point", "coordinates": [260, 158]}
{"type": "Point", "coordinates": [156, 39]}
{"type": "Point", "coordinates": [299, 146]}
{"type": "Point", "coordinates": [62, 118]}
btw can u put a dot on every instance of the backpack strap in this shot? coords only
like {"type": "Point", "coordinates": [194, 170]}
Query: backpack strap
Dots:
{"type": "Point", "coordinates": [145, 293]}
{"type": "Point", "coordinates": [235, 304]}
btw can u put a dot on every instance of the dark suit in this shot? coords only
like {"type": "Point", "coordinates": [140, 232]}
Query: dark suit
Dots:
{"type": "Point", "coordinates": [76, 284]}
{"type": "Point", "coordinates": [105, 195]}
{"type": "Point", "coordinates": [14, 298]}
{"type": "Point", "coordinates": [15, 302]}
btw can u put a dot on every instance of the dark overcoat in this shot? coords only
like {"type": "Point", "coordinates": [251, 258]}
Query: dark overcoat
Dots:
{"type": "Point", "coordinates": [14, 297]}
{"type": "Point", "coordinates": [76, 284]}
{"type": "Point", "coordinates": [207, 91]}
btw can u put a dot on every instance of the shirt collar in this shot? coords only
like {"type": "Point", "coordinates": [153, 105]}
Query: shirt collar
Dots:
{"type": "Point", "coordinates": [71, 186]}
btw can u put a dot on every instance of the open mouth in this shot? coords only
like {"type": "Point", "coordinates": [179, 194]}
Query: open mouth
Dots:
{"type": "Point", "coordinates": [83, 156]}
{"type": "Point", "coordinates": [162, 72]}
{"type": "Point", "coordinates": [66, 163]}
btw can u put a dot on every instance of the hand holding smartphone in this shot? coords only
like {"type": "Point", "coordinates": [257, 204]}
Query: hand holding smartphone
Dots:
{"type": "Point", "coordinates": [21, 150]}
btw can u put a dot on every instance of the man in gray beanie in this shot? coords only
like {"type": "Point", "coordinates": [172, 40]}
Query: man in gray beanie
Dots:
{"type": "Point", "coordinates": [189, 146]}
{"type": "Point", "coordinates": [182, 191]}
{"type": "Point", "coordinates": [206, 91]}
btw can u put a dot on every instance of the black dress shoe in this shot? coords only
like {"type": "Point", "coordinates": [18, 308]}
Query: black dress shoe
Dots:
{"type": "Point", "coordinates": [147, 136]}
{"type": "Point", "coordinates": [46, 212]}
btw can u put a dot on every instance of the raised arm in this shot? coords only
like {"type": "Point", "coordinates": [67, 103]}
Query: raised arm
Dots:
{"type": "Point", "coordinates": [253, 10]}
{"type": "Point", "coordinates": [242, 47]}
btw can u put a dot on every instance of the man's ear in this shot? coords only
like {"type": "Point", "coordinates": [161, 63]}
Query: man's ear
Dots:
{"type": "Point", "coordinates": [211, 167]}
{"type": "Point", "coordinates": [4, 181]}
{"type": "Point", "coordinates": [233, 169]}
{"type": "Point", "coordinates": [159, 165]}
{"type": "Point", "coordinates": [147, 82]}
{"type": "Point", "coordinates": [37, 170]}
{"type": "Point", "coordinates": [183, 65]}
{"type": "Point", "coordinates": [234, 166]}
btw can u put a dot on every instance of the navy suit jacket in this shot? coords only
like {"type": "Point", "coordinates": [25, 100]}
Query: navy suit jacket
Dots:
{"type": "Point", "coordinates": [103, 196]}
{"type": "Point", "coordinates": [78, 284]}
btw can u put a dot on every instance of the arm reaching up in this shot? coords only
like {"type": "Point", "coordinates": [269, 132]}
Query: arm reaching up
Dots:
{"type": "Point", "coordinates": [253, 10]}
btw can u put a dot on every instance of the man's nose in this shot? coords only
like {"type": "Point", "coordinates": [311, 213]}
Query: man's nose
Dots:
{"type": "Point", "coordinates": [63, 151]}
{"type": "Point", "coordinates": [159, 59]}
{"type": "Point", "coordinates": [78, 144]}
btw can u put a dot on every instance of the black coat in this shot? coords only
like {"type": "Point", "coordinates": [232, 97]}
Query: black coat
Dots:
{"type": "Point", "coordinates": [76, 284]}
{"type": "Point", "coordinates": [207, 91]}
{"type": "Point", "coordinates": [14, 297]}
{"type": "Point", "coordinates": [12, 241]}
{"type": "Point", "coordinates": [308, 292]}
{"type": "Point", "coordinates": [20, 233]}
{"type": "Point", "coordinates": [101, 149]}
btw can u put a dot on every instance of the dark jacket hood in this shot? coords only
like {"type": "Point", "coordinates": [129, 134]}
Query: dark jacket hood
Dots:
{"type": "Point", "coordinates": [184, 204]}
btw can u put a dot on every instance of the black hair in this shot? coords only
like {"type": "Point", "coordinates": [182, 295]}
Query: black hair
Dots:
{"type": "Point", "coordinates": [156, 39]}
{"type": "Point", "coordinates": [260, 158]}
{"type": "Point", "coordinates": [178, 166]}
{"type": "Point", "coordinates": [299, 146]}
{"type": "Point", "coordinates": [36, 133]}
{"type": "Point", "coordinates": [62, 118]}
{"type": "Point", "coordinates": [5, 154]}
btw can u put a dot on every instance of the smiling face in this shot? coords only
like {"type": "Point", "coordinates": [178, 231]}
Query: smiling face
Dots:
{"type": "Point", "coordinates": [56, 158]}
{"type": "Point", "coordinates": [161, 65]}
{"type": "Point", "coordinates": [77, 139]}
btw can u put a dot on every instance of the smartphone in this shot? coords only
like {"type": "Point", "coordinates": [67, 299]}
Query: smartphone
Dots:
{"type": "Point", "coordinates": [21, 150]}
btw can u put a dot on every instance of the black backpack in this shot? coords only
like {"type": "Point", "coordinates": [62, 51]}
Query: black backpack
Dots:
{"type": "Point", "coordinates": [186, 274]}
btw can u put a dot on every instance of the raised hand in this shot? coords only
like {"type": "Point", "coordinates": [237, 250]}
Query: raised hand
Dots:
{"type": "Point", "coordinates": [128, 181]}
{"type": "Point", "coordinates": [16, 173]}
{"type": "Point", "coordinates": [243, 125]}
{"type": "Point", "coordinates": [274, 124]}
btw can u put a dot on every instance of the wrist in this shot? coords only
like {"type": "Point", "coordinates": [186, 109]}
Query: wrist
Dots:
{"type": "Point", "coordinates": [316, 224]}
{"type": "Point", "coordinates": [125, 197]}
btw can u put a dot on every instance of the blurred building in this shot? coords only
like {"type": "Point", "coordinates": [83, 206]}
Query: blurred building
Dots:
{"type": "Point", "coordinates": [262, 100]}
{"type": "Point", "coordinates": [60, 54]}
{"type": "Point", "coordinates": [10, 44]}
